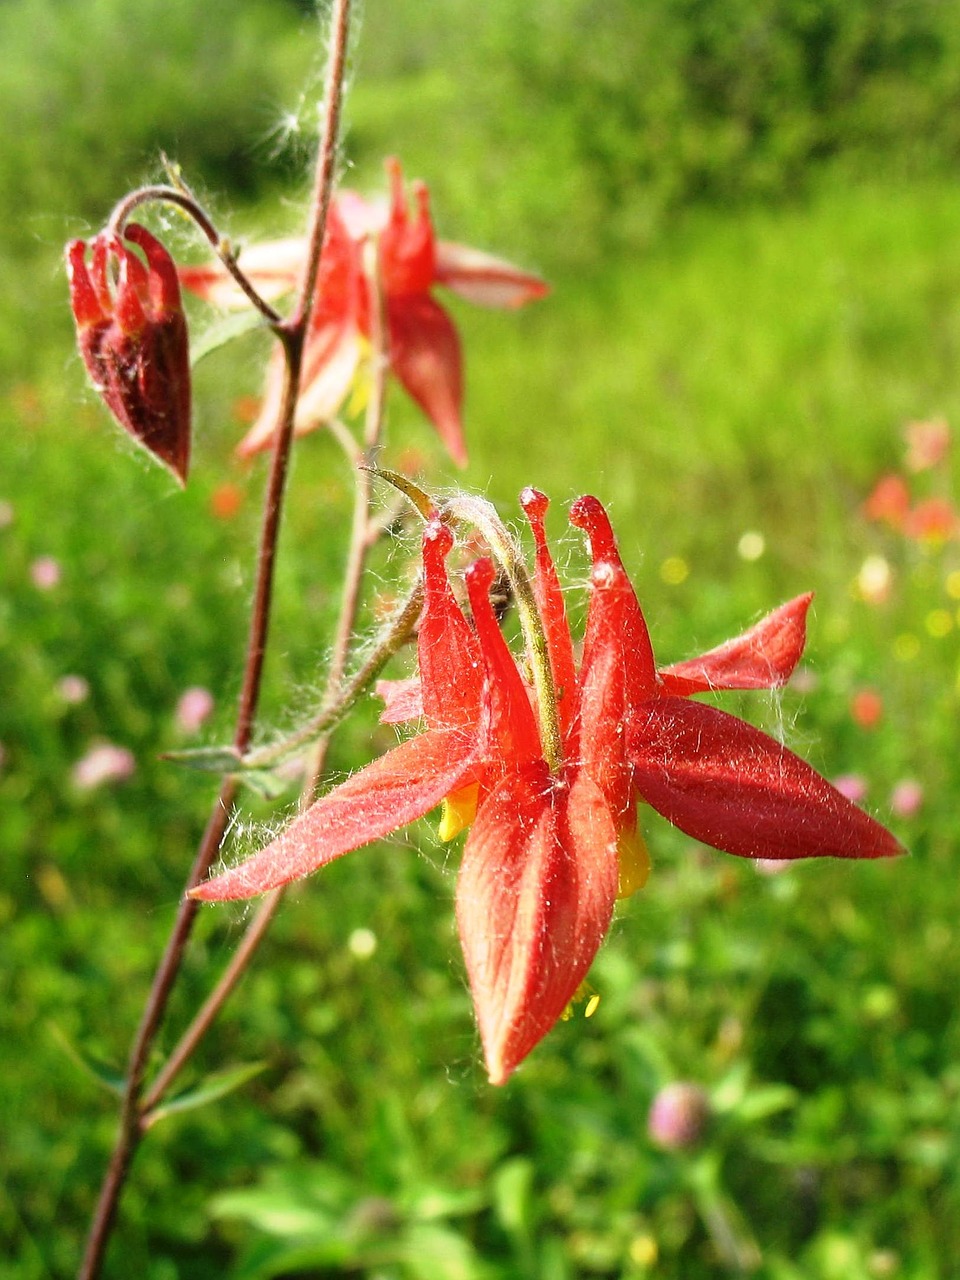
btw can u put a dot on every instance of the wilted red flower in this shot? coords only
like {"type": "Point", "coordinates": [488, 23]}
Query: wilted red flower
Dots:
{"type": "Point", "coordinates": [132, 335]}
{"type": "Point", "coordinates": [423, 345]}
{"type": "Point", "coordinates": [549, 783]}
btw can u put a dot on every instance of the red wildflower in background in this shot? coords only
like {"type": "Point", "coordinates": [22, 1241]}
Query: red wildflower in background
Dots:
{"type": "Point", "coordinates": [132, 335]}
{"type": "Point", "coordinates": [423, 344]}
{"type": "Point", "coordinates": [550, 792]}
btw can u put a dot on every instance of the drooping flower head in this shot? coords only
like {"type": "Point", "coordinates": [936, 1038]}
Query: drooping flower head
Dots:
{"type": "Point", "coordinates": [544, 762]}
{"type": "Point", "coordinates": [421, 340]}
{"type": "Point", "coordinates": [132, 336]}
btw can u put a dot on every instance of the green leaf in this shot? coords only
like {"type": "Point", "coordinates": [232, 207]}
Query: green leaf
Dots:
{"type": "Point", "coordinates": [215, 1086]}
{"type": "Point", "coordinates": [103, 1073]}
{"type": "Point", "coordinates": [225, 330]}
{"type": "Point", "coordinates": [205, 759]}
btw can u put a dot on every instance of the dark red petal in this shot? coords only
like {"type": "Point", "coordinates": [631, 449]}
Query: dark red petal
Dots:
{"type": "Point", "coordinates": [448, 654]}
{"type": "Point", "coordinates": [164, 286]}
{"type": "Point", "coordinates": [398, 788]}
{"type": "Point", "coordinates": [132, 295]}
{"type": "Point", "coordinates": [512, 727]}
{"type": "Point", "coordinates": [762, 658]}
{"type": "Point", "coordinates": [83, 297]}
{"type": "Point", "coordinates": [549, 597]}
{"type": "Point", "coordinates": [534, 900]}
{"type": "Point", "coordinates": [425, 356]}
{"type": "Point", "coordinates": [724, 782]}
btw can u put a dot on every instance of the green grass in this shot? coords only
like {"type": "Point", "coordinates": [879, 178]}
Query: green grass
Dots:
{"type": "Point", "coordinates": [749, 371]}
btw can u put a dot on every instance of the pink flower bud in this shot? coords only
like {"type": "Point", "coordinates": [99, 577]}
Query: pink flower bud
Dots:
{"type": "Point", "coordinates": [45, 573]}
{"type": "Point", "coordinates": [132, 335]}
{"type": "Point", "coordinates": [906, 799]}
{"type": "Point", "coordinates": [73, 689]}
{"type": "Point", "coordinates": [853, 786]}
{"type": "Point", "coordinates": [193, 708]}
{"type": "Point", "coordinates": [678, 1116]}
{"type": "Point", "coordinates": [103, 763]}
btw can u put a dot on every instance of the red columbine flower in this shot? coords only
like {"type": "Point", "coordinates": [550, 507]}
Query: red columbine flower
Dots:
{"type": "Point", "coordinates": [132, 335]}
{"type": "Point", "coordinates": [548, 777]}
{"type": "Point", "coordinates": [423, 345]}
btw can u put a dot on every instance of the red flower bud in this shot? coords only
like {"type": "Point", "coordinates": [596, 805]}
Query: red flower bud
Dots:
{"type": "Point", "coordinates": [132, 335]}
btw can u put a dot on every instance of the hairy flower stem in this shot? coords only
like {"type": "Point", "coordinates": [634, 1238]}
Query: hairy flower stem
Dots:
{"type": "Point", "coordinates": [132, 1116]}
{"type": "Point", "coordinates": [337, 699]}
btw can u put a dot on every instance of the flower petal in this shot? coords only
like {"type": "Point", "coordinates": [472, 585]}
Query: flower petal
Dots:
{"type": "Point", "coordinates": [274, 267]}
{"type": "Point", "coordinates": [398, 788]}
{"type": "Point", "coordinates": [510, 730]}
{"type": "Point", "coordinates": [425, 356]}
{"type": "Point", "coordinates": [402, 700]}
{"type": "Point", "coordinates": [762, 658]}
{"type": "Point", "coordinates": [484, 279]}
{"type": "Point", "coordinates": [451, 674]}
{"type": "Point", "coordinates": [534, 900]}
{"type": "Point", "coordinates": [549, 598]}
{"type": "Point", "coordinates": [724, 782]}
{"type": "Point", "coordinates": [329, 368]}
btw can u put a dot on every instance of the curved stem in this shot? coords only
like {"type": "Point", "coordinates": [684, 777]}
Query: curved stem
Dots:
{"type": "Point", "coordinates": [132, 1115]}
{"type": "Point", "coordinates": [186, 200]}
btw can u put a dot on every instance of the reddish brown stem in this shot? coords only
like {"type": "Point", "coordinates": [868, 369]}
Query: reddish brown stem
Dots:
{"type": "Point", "coordinates": [360, 545]}
{"type": "Point", "coordinates": [131, 1126]}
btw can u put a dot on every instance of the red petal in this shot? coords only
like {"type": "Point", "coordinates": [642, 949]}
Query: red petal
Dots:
{"type": "Point", "coordinates": [615, 616]}
{"type": "Point", "coordinates": [403, 700]}
{"type": "Point", "coordinates": [407, 252]}
{"type": "Point", "coordinates": [83, 297]}
{"type": "Point", "coordinates": [534, 900]}
{"type": "Point", "coordinates": [398, 788]}
{"type": "Point", "coordinates": [724, 782]}
{"type": "Point", "coordinates": [425, 355]}
{"type": "Point", "coordinates": [512, 729]}
{"type": "Point", "coordinates": [485, 280]}
{"type": "Point", "coordinates": [164, 287]}
{"type": "Point", "coordinates": [617, 670]}
{"type": "Point", "coordinates": [448, 654]}
{"type": "Point", "coordinates": [762, 658]}
{"type": "Point", "coordinates": [549, 597]}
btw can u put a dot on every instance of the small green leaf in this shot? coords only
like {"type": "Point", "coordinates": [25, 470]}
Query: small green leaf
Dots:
{"type": "Point", "coordinates": [215, 1086]}
{"type": "Point", "coordinates": [103, 1073]}
{"type": "Point", "coordinates": [225, 330]}
{"type": "Point", "coordinates": [205, 759]}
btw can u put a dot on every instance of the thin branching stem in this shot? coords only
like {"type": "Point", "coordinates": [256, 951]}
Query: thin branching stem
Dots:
{"type": "Point", "coordinates": [132, 1116]}
{"type": "Point", "coordinates": [338, 697]}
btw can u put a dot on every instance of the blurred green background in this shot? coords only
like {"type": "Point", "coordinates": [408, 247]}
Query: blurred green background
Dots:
{"type": "Point", "coordinates": [749, 213]}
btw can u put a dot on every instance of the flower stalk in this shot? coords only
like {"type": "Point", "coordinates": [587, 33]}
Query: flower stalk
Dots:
{"type": "Point", "coordinates": [132, 1124]}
